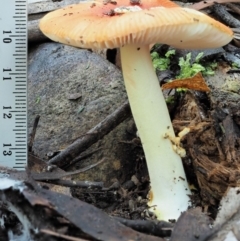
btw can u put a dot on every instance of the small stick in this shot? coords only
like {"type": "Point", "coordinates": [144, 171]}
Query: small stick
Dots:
{"type": "Point", "coordinates": [92, 136]}
{"type": "Point", "coordinates": [59, 235]}
{"type": "Point", "coordinates": [32, 136]}
{"type": "Point", "coordinates": [157, 228]}
{"type": "Point", "coordinates": [55, 176]}
{"type": "Point", "coordinates": [208, 3]}
{"type": "Point", "coordinates": [80, 158]}
{"type": "Point", "coordinates": [81, 184]}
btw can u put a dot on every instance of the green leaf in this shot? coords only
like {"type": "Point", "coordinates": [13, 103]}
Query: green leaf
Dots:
{"type": "Point", "coordinates": [162, 63]}
{"type": "Point", "coordinates": [170, 53]}
{"type": "Point", "coordinates": [208, 71]}
{"type": "Point", "coordinates": [187, 69]}
{"type": "Point", "coordinates": [198, 58]}
{"type": "Point", "coordinates": [154, 55]}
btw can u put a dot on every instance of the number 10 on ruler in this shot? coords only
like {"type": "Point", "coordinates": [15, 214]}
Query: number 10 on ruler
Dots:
{"type": "Point", "coordinates": [13, 84]}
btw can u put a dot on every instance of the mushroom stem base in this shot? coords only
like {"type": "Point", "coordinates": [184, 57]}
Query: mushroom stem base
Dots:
{"type": "Point", "coordinates": [169, 188]}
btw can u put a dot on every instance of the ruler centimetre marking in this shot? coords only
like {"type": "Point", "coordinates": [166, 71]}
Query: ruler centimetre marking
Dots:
{"type": "Point", "coordinates": [13, 84]}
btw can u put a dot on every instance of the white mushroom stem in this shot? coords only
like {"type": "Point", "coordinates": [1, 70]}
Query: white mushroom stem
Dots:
{"type": "Point", "coordinates": [169, 187]}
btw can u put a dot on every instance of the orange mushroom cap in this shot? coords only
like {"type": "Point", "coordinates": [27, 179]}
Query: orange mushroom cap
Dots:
{"type": "Point", "coordinates": [115, 23]}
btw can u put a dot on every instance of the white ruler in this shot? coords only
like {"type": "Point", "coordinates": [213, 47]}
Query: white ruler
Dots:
{"type": "Point", "coordinates": [13, 84]}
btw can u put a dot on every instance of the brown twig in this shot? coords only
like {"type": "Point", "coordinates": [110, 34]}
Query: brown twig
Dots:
{"type": "Point", "coordinates": [156, 228]}
{"type": "Point", "coordinates": [32, 136]}
{"type": "Point", "coordinates": [55, 176]}
{"type": "Point", "coordinates": [59, 235]}
{"type": "Point", "coordinates": [208, 3]}
{"type": "Point", "coordinates": [92, 136]}
{"type": "Point", "coordinates": [80, 158]}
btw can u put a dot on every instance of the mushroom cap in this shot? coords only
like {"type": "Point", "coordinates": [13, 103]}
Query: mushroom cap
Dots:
{"type": "Point", "coordinates": [115, 23]}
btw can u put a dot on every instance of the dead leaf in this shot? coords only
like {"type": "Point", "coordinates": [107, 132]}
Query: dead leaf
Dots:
{"type": "Point", "coordinates": [196, 82]}
{"type": "Point", "coordinates": [31, 202]}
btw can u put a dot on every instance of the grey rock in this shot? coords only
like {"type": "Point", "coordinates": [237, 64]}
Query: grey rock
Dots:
{"type": "Point", "coordinates": [56, 72]}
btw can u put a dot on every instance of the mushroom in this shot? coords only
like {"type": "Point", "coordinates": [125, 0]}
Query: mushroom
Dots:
{"type": "Point", "coordinates": [132, 25]}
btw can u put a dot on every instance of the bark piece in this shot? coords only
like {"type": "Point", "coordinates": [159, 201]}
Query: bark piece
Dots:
{"type": "Point", "coordinates": [39, 209]}
{"type": "Point", "coordinates": [193, 225]}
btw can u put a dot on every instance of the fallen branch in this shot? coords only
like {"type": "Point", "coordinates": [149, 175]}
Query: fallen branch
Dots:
{"type": "Point", "coordinates": [225, 16]}
{"type": "Point", "coordinates": [92, 136]}
{"type": "Point", "coordinates": [207, 3]}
